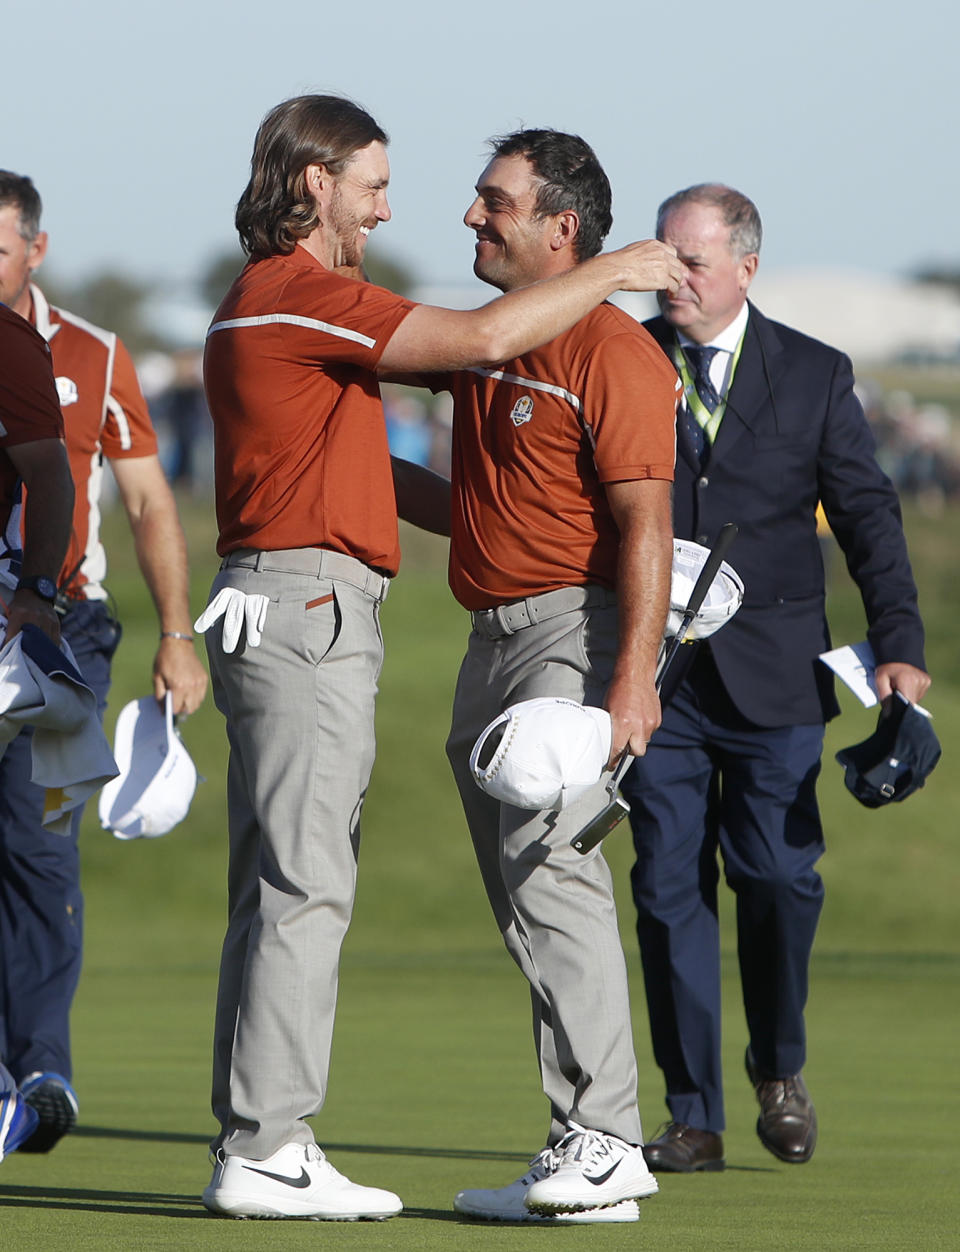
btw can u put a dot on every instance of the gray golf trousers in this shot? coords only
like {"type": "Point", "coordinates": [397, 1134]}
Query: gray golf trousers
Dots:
{"type": "Point", "coordinates": [299, 710]}
{"type": "Point", "coordinates": [555, 908]}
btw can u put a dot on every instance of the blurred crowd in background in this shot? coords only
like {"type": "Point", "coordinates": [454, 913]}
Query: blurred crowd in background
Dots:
{"type": "Point", "coordinates": [916, 446]}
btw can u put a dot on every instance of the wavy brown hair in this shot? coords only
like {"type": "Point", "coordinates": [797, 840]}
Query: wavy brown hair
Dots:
{"type": "Point", "coordinates": [276, 209]}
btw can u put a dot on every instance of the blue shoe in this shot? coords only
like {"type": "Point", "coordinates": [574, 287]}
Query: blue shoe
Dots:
{"type": "Point", "coordinates": [54, 1101]}
{"type": "Point", "coordinates": [18, 1121]}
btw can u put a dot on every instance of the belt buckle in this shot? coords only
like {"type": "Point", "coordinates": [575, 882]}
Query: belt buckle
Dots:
{"type": "Point", "coordinates": [500, 615]}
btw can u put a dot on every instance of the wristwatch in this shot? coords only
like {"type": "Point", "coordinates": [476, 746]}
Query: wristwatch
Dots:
{"type": "Point", "coordinates": [45, 588]}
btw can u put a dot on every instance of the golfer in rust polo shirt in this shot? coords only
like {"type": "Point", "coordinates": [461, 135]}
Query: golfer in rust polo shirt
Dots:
{"type": "Point", "coordinates": [307, 518]}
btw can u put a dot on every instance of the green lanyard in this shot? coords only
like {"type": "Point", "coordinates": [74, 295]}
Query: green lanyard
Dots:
{"type": "Point", "coordinates": [709, 421]}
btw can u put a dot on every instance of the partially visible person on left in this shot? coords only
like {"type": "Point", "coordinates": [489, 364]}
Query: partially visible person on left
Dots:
{"type": "Point", "coordinates": [104, 415]}
{"type": "Point", "coordinates": [32, 454]}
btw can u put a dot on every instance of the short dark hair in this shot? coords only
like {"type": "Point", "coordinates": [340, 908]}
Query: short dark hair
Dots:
{"type": "Point", "coordinates": [738, 212]}
{"type": "Point", "coordinates": [276, 209]}
{"type": "Point", "coordinates": [570, 176]}
{"type": "Point", "coordinates": [17, 191]}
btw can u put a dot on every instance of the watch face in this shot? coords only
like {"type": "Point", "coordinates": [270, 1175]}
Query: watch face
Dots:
{"type": "Point", "coordinates": [46, 588]}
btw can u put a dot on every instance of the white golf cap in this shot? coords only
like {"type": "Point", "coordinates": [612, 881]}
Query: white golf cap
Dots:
{"type": "Point", "coordinates": [724, 595]}
{"type": "Point", "coordinates": [551, 751]}
{"type": "Point", "coordinates": [157, 778]}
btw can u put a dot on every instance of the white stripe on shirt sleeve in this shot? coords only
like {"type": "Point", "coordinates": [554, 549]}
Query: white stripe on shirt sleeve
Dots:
{"type": "Point", "coordinates": [116, 411]}
{"type": "Point", "coordinates": [291, 319]}
{"type": "Point", "coordinates": [533, 383]}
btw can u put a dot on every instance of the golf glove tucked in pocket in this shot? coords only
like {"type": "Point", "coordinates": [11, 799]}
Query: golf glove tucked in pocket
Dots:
{"type": "Point", "coordinates": [238, 610]}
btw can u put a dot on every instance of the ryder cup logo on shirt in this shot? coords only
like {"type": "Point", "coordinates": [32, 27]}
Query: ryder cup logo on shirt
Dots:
{"type": "Point", "coordinates": [67, 391]}
{"type": "Point", "coordinates": [522, 411]}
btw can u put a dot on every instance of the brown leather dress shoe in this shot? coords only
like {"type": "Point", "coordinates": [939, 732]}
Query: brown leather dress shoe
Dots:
{"type": "Point", "coordinates": [787, 1125]}
{"type": "Point", "coordinates": [680, 1149]}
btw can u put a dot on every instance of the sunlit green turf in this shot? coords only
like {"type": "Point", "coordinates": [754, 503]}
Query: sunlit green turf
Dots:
{"type": "Point", "coordinates": [434, 1084]}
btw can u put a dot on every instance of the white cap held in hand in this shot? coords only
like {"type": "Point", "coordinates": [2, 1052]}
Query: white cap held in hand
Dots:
{"type": "Point", "coordinates": [157, 778]}
{"type": "Point", "coordinates": [551, 751]}
{"type": "Point", "coordinates": [724, 595]}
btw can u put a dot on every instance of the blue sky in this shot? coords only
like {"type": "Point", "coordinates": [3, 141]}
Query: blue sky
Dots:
{"type": "Point", "coordinates": [839, 119]}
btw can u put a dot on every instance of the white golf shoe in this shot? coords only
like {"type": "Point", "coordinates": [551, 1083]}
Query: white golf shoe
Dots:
{"type": "Point", "coordinates": [508, 1204]}
{"type": "Point", "coordinates": [591, 1169]}
{"type": "Point", "coordinates": [297, 1181]}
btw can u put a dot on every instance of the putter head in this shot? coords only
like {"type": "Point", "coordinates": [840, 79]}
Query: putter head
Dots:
{"type": "Point", "coordinates": [600, 826]}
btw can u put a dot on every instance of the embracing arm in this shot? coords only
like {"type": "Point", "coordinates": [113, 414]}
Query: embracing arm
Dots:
{"type": "Point", "coordinates": [162, 556]}
{"type": "Point", "coordinates": [423, 496]}
{"type": "Point", "coordinates": [642, 511]}
{"type": "Point", "coordinates": [432, 339]}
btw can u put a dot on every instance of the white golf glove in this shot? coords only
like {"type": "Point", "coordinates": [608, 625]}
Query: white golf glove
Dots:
{"type": "Point", "coordinates": [237, 610]}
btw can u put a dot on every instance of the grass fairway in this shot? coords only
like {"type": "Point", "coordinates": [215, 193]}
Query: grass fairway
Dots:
{"type": "Point", "coordinates": [434, 1083]}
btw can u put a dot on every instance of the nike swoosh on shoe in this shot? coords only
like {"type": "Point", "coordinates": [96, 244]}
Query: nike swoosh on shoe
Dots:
{"type": "Point", "coordinates": [302, 1181]}
{"type": "Point", "coordinates": [602, 1178]}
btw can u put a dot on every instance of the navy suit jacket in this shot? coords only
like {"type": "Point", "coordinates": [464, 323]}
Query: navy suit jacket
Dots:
{"type": "Point", "coordinates": [793, 433]}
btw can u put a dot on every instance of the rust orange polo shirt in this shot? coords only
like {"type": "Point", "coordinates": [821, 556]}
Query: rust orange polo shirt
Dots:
{"type": "Point", "coordinates": [301, 448]}
{"type": "Point", "coordinates": [104, 415]}
{"type": "Point", "coordinates": [534, 442]}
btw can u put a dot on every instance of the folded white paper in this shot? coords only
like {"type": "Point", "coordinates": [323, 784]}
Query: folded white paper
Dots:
{"type": "Point", "coordinates": [855, 665]}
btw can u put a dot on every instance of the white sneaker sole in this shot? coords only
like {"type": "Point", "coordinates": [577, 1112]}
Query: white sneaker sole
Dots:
{"type": "Point", "coordinates": [625, 1211]}
{"type": "Point", "coordinates": [577, 1203]}
{"type": "Point", "coordinates": [242, 1207]}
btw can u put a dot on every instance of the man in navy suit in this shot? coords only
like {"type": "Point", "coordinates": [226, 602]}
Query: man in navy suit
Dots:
{"type": "Point", "coordinates": [770, 425]}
